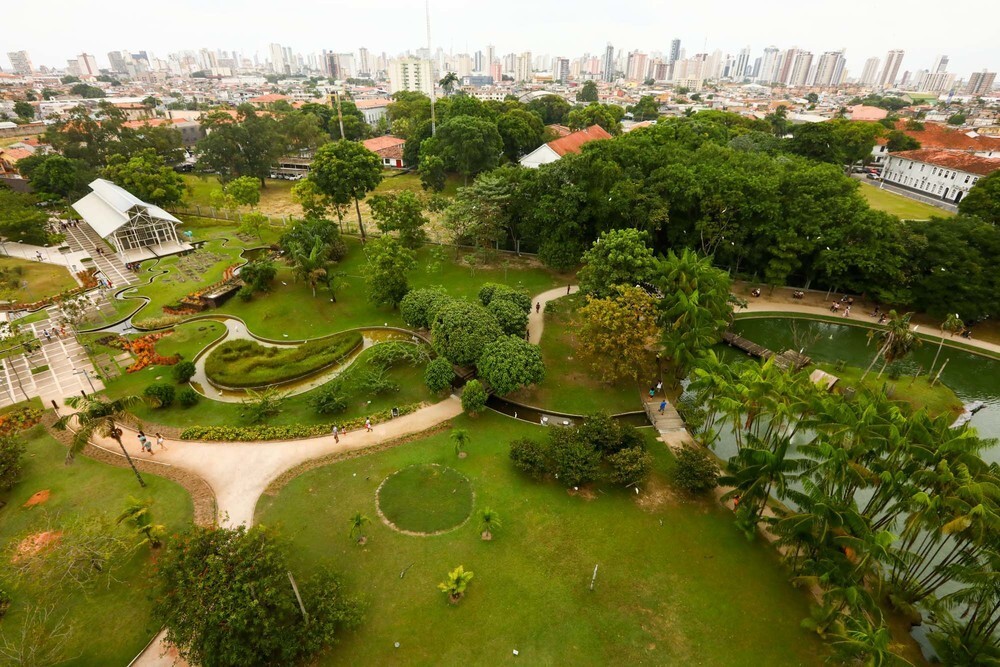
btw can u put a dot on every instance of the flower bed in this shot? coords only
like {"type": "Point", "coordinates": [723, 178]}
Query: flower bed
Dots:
{"type": "Point", "coordinates": [144, 350]}
{"type": "Point", "coordinates": [246, 363]}
{"type": "Point", "coordinates": [291, 432]}
{"type": "Point", "coordinates": [19, 420]}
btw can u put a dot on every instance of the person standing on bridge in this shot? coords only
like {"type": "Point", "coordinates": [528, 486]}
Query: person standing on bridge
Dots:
{"type": "Point", "coordinates": [663, 405]}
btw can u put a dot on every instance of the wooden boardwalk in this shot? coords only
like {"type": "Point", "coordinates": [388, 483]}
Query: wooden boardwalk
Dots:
{"type": "Point", "coordinates": [785, 360]}
{"type": "Point", "coordinates": [669, 421]}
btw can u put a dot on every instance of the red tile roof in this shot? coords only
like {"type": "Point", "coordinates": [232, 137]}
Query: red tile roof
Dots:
{"type": "Point", "coordinates": [862, 112]}
{"type": "Point", "coordinates": [154, 122]}
{"type": "Point", "coordinates": [380, 144]}
{"type": "Point", "coordinates": [267, 99]}
{"type": "Point", "coordinates": [372, 104]}
{"type": "Point", "coordinates": [573, 143]}
{"type": "Point", "coordinates": [958, 160]}
{"type": "Point", "coordinates": [12, 155]}
{"type": "Point", "coordinates": [935, 135]}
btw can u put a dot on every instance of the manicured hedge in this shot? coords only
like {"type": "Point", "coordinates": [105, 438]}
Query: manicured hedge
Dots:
{"type": "Point", "coordinates": [247, 363]}
{"type": "Point", "coordinates": [291, 432]}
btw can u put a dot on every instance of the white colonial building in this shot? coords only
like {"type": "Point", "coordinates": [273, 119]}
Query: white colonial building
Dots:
{"type": "Point", "coordinates": [942, 174]}
{"type": "Point", "coordinates": [571, 143]}
{"type": "Point", "coordinates": [136, 229]}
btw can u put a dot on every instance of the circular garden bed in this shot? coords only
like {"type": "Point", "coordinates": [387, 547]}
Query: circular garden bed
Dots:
{"type": "Point", "coordinates": [425, 499]}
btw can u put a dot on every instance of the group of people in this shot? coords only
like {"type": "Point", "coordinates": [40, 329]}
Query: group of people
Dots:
{"type": "Point", "coordinates": [64, 224]}
{"type": "Point", "coordinates": [60, 332]}
{"type": "Point", "coordinates": [132, 266]}
{"type": "Point", "coordinates": [846, 301]}
{"type": "Point", "coordinates": [147, 444]}
{"type": "Point", "coordinates": [338, 431]}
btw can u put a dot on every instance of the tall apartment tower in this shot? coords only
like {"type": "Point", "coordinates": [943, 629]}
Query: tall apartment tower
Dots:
{"type": "Point", "coordinates": [561, 70]}
{"type": "Point", "coordinates": [522, 67]}
{"type": "Point", "coordinates": [364, 63]}
{"type": "Point", "coordinates": [980, 83]}
{"type": "Point", "coordinates": [892, 62]}
{"type": "Point", "coordinates": [799, 72]}
{"type": "Point", "coordinates": [742, 65]}
{"type": "Point", "coordinates": [20, 61]}
{"type": "Point", "coordinates": [411, 74]}
{"type": "Point", "coordinates": [608, 64]}
{"type": "Point", "coordinates": [769, 65]}
{"type": "Point", "coordinates": [87, 64]}
{"type": "Point", "coordinates": [870, 72]}
{"type": "Point", "coordinates": [940, 65]}
{"type": "Point", "coordinates": [675, 50]}
{"type": "Point", "coordinates": [829, 69]}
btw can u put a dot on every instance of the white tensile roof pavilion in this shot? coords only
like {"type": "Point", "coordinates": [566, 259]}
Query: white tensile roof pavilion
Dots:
{"type": "Point", "coordinates": [137, 230]}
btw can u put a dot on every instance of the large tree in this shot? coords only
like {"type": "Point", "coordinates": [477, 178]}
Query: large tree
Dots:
{"type": "Point", "coordinates": [511, 363]}
{"type": "Point", "coordinates": [551, 108]}
{"type": "Point", "coordinates": [587, 92]}
{"type": "Point", "coordinates": [226, 599]}
{"type": "Point", "coordinates": [618, 332]}
{"type": "Point", "coordinates": [53, 176]}
{"type": "Point", "coordinates": [147, 177]}
{"type": "Point", "coordinates": [608, 116]}
{"type": "Point", "coordinates": [246, 145]}
{"type": "Point", "coordinates": [401, 212]}
{"type": "Point", "coordinates": [345, 171]}
{"type": "Point", "coordinates": [983, 200]}
{"type": "Point", "coordinates": [521, 132]}
{"type": "Point", "coordinates": [461, 330]}
{"type": "Point", "coordinates": [20, 220]}
{"type": "Point", "coordinates": [388, 264]}
{"type": "Point", "coordinates": [618, 257]}
{"type": "Point", "coordinates": [467, 144]}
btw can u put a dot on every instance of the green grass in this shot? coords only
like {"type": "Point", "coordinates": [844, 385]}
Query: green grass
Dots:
{"type": "Point", "coordinates": [278, 314]}
{"type": "Point", "coordinates": [110, 626]}
{"type": "Point", "coordinates": [247, 363]}
{"type": "Point", "coordinates": [914, 392]}
{"type": "Point", "coordinates": [904, 207]}
{"type": "Point", "coordinates": [295, 409]}
{"type": "Point", "coordinates": [570, 384]}
{"type": "Point", "coordinates": [426, 498]}
{"type": "Point", "coordinates": [27, 281]}
{"type": "Point", "coordinates": [677, 584]}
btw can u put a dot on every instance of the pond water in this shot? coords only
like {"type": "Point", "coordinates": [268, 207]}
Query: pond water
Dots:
{"type": "Point", "coordinates": [971, 376]}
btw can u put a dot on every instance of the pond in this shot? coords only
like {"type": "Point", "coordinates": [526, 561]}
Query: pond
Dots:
{"type": "Point", "coordinates": [971, 376]}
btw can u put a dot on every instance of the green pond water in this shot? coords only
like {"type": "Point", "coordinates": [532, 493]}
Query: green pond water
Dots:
{"type": "Point", "coordinates": [972, 377]}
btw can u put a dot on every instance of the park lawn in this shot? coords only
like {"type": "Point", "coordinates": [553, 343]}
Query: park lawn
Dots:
{"type": "Point", "coordinates": [898, 205]}
{"type": "Point", "coordinates": [275, 196]}
{"type": "Point", "coordinates": [30, 281]}
{"type": "Point", "coordinates": [290, 311]}
{"type": "Point", "coordinates": [109, 626]}
{"type": "Point", "coordinates": [677, 583]}
{"type": "Point", "coordinates": [916, 392]}
{"type": "Point", "coordinates": [570, 385]}
{"type": "Point", "coordinates": [295, 409]}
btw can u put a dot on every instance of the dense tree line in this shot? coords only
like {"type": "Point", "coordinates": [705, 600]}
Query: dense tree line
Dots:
{"type": "Point", "coordinates": [727, 187]}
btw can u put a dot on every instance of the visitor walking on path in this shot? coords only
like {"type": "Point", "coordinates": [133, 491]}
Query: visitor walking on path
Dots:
{"type": "Point", "coordinates": [368, 424]}
{"type": "Point", "coordinates": [336, 434]}
{"type": "Point", "coordinates": [538, 306]}
{"type": "Point", "coordinates": [159, 441]}
{"type": "Point", "coordinates": [659, 386]}
{"type": "Point", "coordinates": [663, 406]}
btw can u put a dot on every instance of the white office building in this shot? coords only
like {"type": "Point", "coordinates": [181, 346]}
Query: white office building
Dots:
{"type": "Point", "coordinates": [942, 174]}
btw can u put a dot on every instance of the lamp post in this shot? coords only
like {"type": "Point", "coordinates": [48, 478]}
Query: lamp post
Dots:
{"type": "Point", "coordinates": [85, 374]}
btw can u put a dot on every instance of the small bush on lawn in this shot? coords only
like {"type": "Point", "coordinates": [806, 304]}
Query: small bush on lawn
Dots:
{"type": "Point", "coordinates": [11, 451]}
{"type": "Point", "coordinates": [695, 471]}
{"type": "Point", "coordinates": [629, 465]}
{"type": "Point", "coordinates": [187, 397]}
{"type": "Point", "coordinates": [161, 393]}
{"type": "Point", "coordinates": [183, 371]}
{"type": "Point", "coordinates": [528, 456]}
{"type": "Point", "coordinates": [573, 461]}
{"type": "Point", "coordinates": [473, 397]}
{"type": "Point", "coordinates": [245, 293]}
{"type": "Point", "coordinates": [438, 375]}
{"type": "Point", "coordinates": [329, 399]}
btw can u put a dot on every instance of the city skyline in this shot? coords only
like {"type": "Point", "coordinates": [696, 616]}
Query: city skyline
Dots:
{"type": "Point", "coordinates": [397, 26]}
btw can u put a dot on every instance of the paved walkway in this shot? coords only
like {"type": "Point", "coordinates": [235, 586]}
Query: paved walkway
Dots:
{"type": "Point", "coordinates": [764, 304]}
{"type": "Point", "coordinates": [85, 241]}
{"type": "Point", "coordinates": [536, 318]}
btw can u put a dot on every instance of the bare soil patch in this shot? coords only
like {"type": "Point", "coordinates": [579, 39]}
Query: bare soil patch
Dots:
{"type": "Point", "coordinates": [38, 498]}
{"type": "Point", "coordinates": [35, 544]}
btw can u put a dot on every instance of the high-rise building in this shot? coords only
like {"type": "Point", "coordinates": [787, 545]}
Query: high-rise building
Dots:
{"type": "Point", "coordinates": [940, 65]}
{"type": "Point", "coordinates": [675, 50]}
{"type": "Point", "coordinates": [980, 83]}
{"type": "Point", "coordinates": [608, 64]}
{"type": "Point", "coordinates": [870, 72]}
{"type": "Point", "coordinates": [278, 64]}
{"type": "Point", "coordinates": [87, 64]}
{"type": "Point", "coordinates": [412, 74]}
{"type": "Point", "coordinates": [799, 72]}
{"type": "Point", "coordinates": [491, 54]}
{"type": "Point", "coordinates": [561, 70]}
{"type": "Point", "coordinates": [20, 62]}
{"type": "Point", "coordinates": [477, 61]}
{"type": "Point", "coordinates": [635, 70]}
{"type": "Point", "coordinates": [364, 63]}
{"type": "Point", "coordinates": [769, 65]}
{"type": "Point", "coordinates": [787, 63]}
{"type": "Point", "coordinates": [740, 70]}
{"type": "Point", "coordinates": [829, 69]}
{"type": "Point", "coordinates": [496, 71]}
{"type": "Point", "coordinates": [522, 67]}
{"type": "Point", "coordinates": [119, 61]}
{"type": "Point", "coordinates": [892, 62]}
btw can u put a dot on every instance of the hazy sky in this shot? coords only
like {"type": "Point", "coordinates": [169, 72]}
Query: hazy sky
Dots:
{"type": "Point", "coordinates": [54, 30]}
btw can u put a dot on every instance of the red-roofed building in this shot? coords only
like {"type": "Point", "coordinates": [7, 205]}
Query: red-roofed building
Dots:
{"type": "Point", "coordinates": [389, 148]}
{"type": "Point", "coordinates": [263, 100]}
{"type": "Point", "coordinates": [942, 174]}
{"type": "Point", "coordinates": [190, 130]}
{"type": "Point", "coordinates": [865, 113]}
{"type": "Point", "coordinates": [9, 158]}
{"type": "Point", "coordinates": [935, 135]}
{"type": "Point", "coordinates": [571, 143]}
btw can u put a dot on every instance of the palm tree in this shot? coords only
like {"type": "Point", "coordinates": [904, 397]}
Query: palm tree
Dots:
{"type": "Point", "coordinates": [754, 472]}
{"type": "Point", "coordinates": [896, 341]}
{"type": "Point", "coordinates": [456, 583]}
{"type": "Point", "coordinates": [95, 414]}
{"type": "Point", "coordinates": [448, 82]}
{"type": "Point", "coordinates": [864, 643]}
{"type": "Point", "coordinates": [311, 265]}
{"type": "Point", "coordinates": [952, 324]}
{"type": "Point", "coordinates": [488, 520]}
{"type": "Point", "coordinates": [358, 522]}
{"type": "Point", "coordinates": [460, 437]}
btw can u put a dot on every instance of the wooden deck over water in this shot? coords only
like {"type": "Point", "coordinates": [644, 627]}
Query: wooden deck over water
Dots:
{"type": "Point", "coordinates": [787, 359]}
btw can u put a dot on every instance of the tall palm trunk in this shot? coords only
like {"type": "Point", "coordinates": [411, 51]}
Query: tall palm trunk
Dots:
{"type": "Point", "coordinates": [116, 434]}
{"type": "Point", "coordinates": [878, 354]}
{"type": "Point", "coordinates": [937, 354]}
{"type": "Point", "coordinates": [361, 225]}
